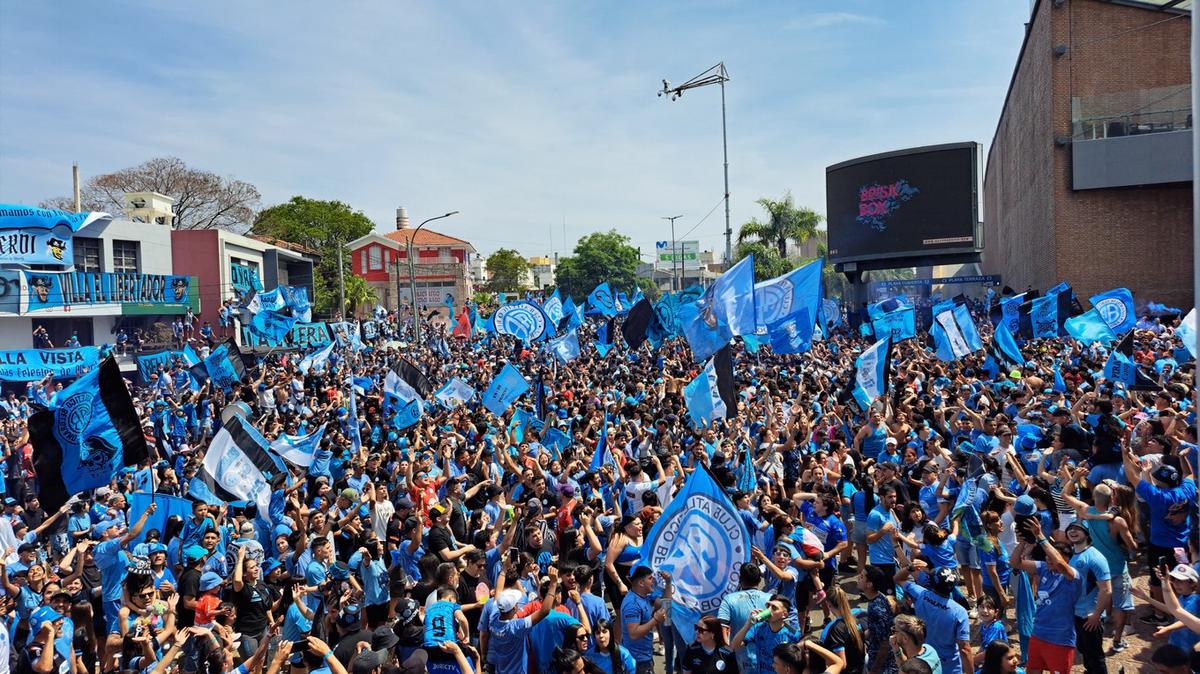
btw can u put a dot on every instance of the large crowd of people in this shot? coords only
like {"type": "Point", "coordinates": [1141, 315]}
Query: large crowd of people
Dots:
{"type": "Point", "coordinates": [969, 520]}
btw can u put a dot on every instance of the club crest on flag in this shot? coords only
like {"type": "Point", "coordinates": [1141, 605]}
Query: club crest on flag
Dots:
{"type": "Point", "coordinates": [523, 320]}
{"type": "Point", "coordinates": [773, 301]}
{"type": "Point", "coordinates": [1112, 310]}
{"type": "Point", "coordinates": [702, 543]}
{"type": "Point", "coordinates": [73, 415]}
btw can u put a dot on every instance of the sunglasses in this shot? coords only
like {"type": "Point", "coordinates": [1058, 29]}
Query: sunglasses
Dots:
{"type": "Point", "coordinates": [145, 595]}
{"type": "Point", "coordinates": [700, 629]}
{"type": "Point", "coordinates": [582, 637]}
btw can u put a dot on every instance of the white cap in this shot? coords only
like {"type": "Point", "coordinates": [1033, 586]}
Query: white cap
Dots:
{"type": "Point", "coordinates": [508, 600]}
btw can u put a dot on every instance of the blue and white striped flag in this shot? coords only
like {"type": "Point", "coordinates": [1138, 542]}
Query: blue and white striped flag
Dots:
{"type": "Point", "coordinates": [298, 449]}
{"type": "Point", "coordinates": [316, 360]}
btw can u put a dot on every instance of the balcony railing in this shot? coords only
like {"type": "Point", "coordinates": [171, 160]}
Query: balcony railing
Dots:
{"type": "Point", "coordinates": [1134, 124]}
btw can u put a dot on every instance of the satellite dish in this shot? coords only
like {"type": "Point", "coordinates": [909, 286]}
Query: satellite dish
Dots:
{"type": "Point", "coordinates": [235, 409]}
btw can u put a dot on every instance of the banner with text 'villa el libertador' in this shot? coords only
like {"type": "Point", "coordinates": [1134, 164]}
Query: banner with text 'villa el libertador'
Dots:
{"type": "Point", "coordinates": [34, 364]}
{"type": "Point", "coordinates": [30, 235]}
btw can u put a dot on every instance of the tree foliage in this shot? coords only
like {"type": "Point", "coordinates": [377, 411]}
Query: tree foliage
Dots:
{"type": "Point", "coordinates": [506, 269]}
{"type": "Point", "coordinates": [768, 239]}
{"type": "Point", "coordinates": [785, 222]}
{"type": "Point", "coordinates": [203, 200]}
{"type": "Point", "coordinates": [325, 226]}
{"type": "Point", "coordinates": [598, 257]}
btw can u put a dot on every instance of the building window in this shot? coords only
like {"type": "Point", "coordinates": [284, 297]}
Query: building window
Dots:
{"type": "Point", "coordinates": [87, 254]}
{"type": "Point", "coordinates": [125, 257]}
{"type": "Point", "coordinates": [374, 258]}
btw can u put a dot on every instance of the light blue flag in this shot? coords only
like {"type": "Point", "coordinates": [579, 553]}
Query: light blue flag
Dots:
{"type": "Point", "coordinates": [352, 423]}
{"type": "Point", "coordinates": [783, 298]}
{"type": "Point", "coordinates": [522, 319]}
{"type": "Point", "coordinates": [954, 333]}
{"type": "Point", "coordinates": [272, 326]}
{"type": "Point", "coordinates": [554, 308]}
{"type": "Point", "coordinates": [747, 476]}
{"type": "Point", "coordinates": [455, 392]}
{"type": "Point", "coordinates": [316, 360]}
{"type": "Point", "coordinates": [726, 309]}
{"type": "Point", "coordinates": [1060, 384]}
{"type": "Point", "coordinates": [701, 541]}
{"type": "Point", "coordinates": [1043, 316]}
{"type": "Point", "coordinates": [1090, 327]}
{"type": "Point", "coordinates": [1007, 345]}
{"type": "Point", "coordinates": [831, 315]}
{"type": "Point", "coordinates": [870, 373]}
{"type": "Point", "coordinates": [1116, 309]}
{"type": "Point", "coordinates": [752, 343]}
{"type": "Point", "coordinates": [602, 301]}
{"type": "Point", "coordinates": [897, 325]}
{"type": "Point", "coordinates": [402, 400]}
{"type": "Point", "coordinates": [602, 454]}
{"type": "Point", "coordinates": [168, 506]}
{"type": "Point", "coordinates": [1120, 369]}
{"type": "Point", "coordinates": [298, 449]}
{"type": "Point", "coordinates": [556, 441]}
{"type": "Point", "coordinates": [894, 303]}
{"type": "Point", "coordinates": [1010, 312]}
{"type": "Point", "coordinates": [347, 334]}
{"type": "Point", "coordinates": [571, 314]}
{"type": "Point", "coordinates": [703, 397]}
{"type": "Point", "coordinates": [565, 348]}
{"type": "Point", "coordinates": [501, 298]}
{"type": "Point", "coordinates": [1187, 332]}
{"type": "Point", "coordinates": [504, 390]}
{"type": "Point", "coordinates": [970, 333]}
{"type": "Point", "coordinates": [793, 334]}
{"type": "Point", "coordinates": [296, 299]}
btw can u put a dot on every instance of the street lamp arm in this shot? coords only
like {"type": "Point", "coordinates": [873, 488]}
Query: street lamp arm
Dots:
{"type": "Point", "coordinates": [412, 275]}
{"type": "Point", "coordinates": [714, 75]}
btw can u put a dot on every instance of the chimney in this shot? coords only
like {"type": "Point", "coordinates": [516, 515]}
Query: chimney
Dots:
{"type": "Point", "coordinates": [401, 218]}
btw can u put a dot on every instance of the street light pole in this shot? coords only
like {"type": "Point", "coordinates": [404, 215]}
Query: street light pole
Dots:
{"type": "Point", "coordinates": [412, 275]}
{"type": "Point", "coordinates": [714, 75]}
{"type": "Point", "coordinates": [674, 278]}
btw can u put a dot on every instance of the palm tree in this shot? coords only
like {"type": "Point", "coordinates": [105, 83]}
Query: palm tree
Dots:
{"type": "Point", "coordinates": [785, 222]}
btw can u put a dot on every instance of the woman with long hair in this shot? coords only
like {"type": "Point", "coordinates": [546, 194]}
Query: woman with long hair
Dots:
{"type": "Point", "coordinates": [1000, 658]}
{"type": "Point", "coordinates": [609, 656]}
{"type": "Point", "coordinates": [624, 551]}
{"type": "Point", "coordinates": [842, 634]}
{"type": "Point", "coordinates": [571, 661]}
{"type": "Point", "coordinates": [996, 573]}
{"type": "Point", "coordinates": [709, 654]}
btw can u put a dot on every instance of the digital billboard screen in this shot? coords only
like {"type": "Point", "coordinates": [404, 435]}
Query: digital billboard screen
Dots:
{"type": "Point", "coordinates": [916, 202]}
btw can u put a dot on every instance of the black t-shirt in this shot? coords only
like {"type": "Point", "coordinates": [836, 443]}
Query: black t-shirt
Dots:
{"type": "Point", "coordinates": [189, 586]}
{"type": "Point", "coordinates": [439, 539]}
{"type": "Point", "coordinates": [252, 604]}
{"type": "Point", "coordinates": [837, 636]}
{"type": "Point", "coordinates": [466, 595]}
{"type": "Point", "coordinates": [345, 648]}
{"type": "Point", "coordinates": [699, 661]}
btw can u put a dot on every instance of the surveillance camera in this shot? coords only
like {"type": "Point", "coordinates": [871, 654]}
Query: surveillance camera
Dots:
{"type": "Point", "coordinates": [660, 94]}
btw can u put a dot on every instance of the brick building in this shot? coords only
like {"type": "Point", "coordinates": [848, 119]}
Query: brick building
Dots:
{"type": "Point", "coordinates": [1088, 177]}
{"type": "Point", "coordinates": [441, 266]}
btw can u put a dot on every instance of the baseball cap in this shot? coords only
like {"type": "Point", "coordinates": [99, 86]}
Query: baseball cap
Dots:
{"type": "Point", "coordinates": [194, 552]}
{"type": "Point", "coordinates": [42, 616]}
{"type": "Point", "coordinates": [508, 600]}
{"type": "Point", "coordinates": [1024, 506]}
{"type": "Point", "coordinates": [247, 528]}
{"type": "Point", "coordinates": [210, 580]}
{"type": "Point", "coordinates": [10, 501]}
{"type": "Point", "coordinates": [1166, 475]}
{"type": "Point", "coordinates": [1185, 572]}
{"type": "Point", "coordinates": [349, 614]}
{"type": "Point", "coordinates": [406, 610]}
{"type": "Point", "coordinates": [270, 565]}
{"type": "Point", "coordinates": [437, 511]}
{"type": "Point", "coordinates": [890, 441]}
{"type": "Point", "coordinates": [383, 638]}
{"type": "Point", "coordinates": [405, 502]}
{"type": "Point", "coordinates": [366, 662]}
{"type": "Point", "coordinates": [99, 529]}
{"type": "Point", "coordinates": [349, 494]}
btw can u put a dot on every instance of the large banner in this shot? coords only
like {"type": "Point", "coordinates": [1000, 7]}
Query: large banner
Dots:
{"type": "Point", "coordinates": [301, 336]}
{"type": "Point", "coordinates": [10, 292]}
{"type": "Point", "coordinates": [59, 290]}
{"type": "Point", "coordinates": [31, 235]}
{"type": "Point", "coordinates": [34, 364]}
{"type": "Point", "coordinates": [150, 363]}
{"type": "Point", "coordinates": [244, 279]}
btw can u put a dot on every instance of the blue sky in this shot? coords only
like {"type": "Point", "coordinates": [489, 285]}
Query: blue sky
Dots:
{"type": "Point", "coordinates": [520, 115]}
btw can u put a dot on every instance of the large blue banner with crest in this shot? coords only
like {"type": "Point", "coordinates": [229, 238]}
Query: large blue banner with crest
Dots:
{"type": "Point", "coordinates": [31, 235]}
{"type": "Point", "coordinates": [522, 319]}
{"type": "Point", "coordinates": [701, 541]}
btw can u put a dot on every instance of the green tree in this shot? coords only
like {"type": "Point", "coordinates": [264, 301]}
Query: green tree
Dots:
{"type": "Point", "coordinates": [598, 257]}
{"type": "Point", "coordinates": [768, 240]}
{"type": "Point", "coordinates": [507, 270]}
{"type": "Point", "coordinates": [325, 226]}
{"type": "Point", "coordinates": [359, 295]}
